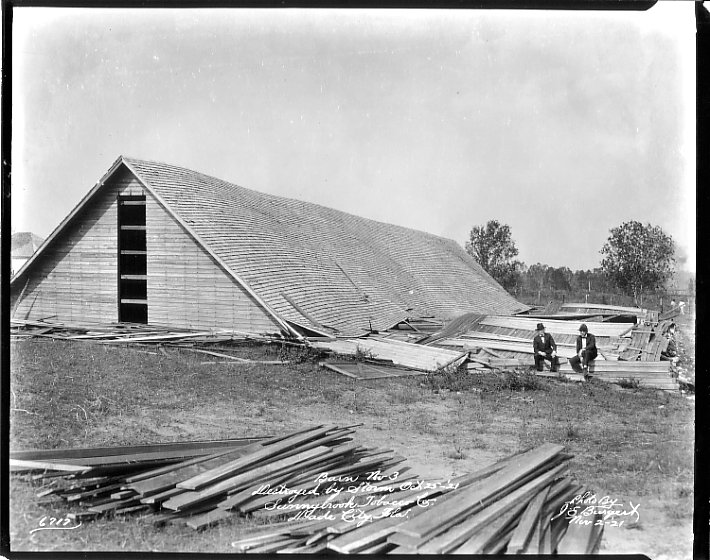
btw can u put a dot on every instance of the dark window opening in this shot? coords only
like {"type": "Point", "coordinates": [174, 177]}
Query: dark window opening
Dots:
{"type": "Point", "coordinates": [133, 263]}
{"type": "Point", "coordinates": [133, 289]}
{"type": "Point", "coordinates": [134, 313]}
{"type": "Point", "coordinates": [132, 213]}
{"type": "Point", "coordinates": [132, 240]}
{"type": "Point", "coordinates": [132, 260]}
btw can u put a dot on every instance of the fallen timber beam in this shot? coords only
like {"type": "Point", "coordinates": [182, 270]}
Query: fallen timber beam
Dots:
{"type": "Point", "coordinates": [177, 449]}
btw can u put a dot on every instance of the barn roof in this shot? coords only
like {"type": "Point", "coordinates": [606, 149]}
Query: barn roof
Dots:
{"type": "Point", "coordinates": [318, 267]}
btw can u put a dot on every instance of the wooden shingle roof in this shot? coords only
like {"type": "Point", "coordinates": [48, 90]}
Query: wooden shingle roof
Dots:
{"type": "Point", "coordinates": [322, 268]}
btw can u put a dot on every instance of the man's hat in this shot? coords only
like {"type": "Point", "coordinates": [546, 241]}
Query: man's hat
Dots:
{"type": "Point", "coordinates": [583, 328]}
{"type": "Point", "coordinates": [540, 327]}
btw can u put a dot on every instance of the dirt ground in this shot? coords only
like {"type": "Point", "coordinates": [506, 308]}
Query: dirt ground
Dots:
{"type": "Point", "coordinates": [635, 446]}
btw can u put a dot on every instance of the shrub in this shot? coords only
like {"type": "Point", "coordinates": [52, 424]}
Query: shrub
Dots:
{"type": "Point", "coordinates": [520, 381]}
{"type": "Point", "coordinates": [452, 378]}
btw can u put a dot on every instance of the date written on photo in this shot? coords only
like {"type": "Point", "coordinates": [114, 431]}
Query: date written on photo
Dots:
{"type": "Point", "coordinates": [588, 509]}
{"type": "Point", "coordinates": [47, 522]}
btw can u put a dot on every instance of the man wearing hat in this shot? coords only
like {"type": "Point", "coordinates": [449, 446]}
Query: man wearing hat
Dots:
{"type": "Point", "coordinates": [586, 350]}
{"type": "Point", "coordinates": [545, 349]}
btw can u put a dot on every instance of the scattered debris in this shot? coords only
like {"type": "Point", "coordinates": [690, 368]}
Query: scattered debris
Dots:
{"type": "Point", "coordinates": [417, 346]}
{"type": "Point", "coordinates": [408, 355]}
{"type": "Point", "coordinates": [364, 370]}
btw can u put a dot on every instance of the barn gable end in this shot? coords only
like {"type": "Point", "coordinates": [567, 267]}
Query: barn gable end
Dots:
{"type": "Point", "coordinates": [75, 278]}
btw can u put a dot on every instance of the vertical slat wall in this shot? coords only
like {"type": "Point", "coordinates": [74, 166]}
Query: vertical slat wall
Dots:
{"type": "Point", "coordinates": [187, 288]}
{"type": "Point", "coordinates": [75, 279]}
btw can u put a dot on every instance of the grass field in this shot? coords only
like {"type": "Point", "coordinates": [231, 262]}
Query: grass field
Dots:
{"type": "Point", "coordinates": [633, 445]}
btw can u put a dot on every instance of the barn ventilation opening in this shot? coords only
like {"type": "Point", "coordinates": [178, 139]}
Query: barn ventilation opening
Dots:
{"type": "Point", "coordinates": [132, 255]}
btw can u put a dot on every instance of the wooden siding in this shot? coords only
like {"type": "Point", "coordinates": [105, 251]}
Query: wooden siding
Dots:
{"type": "Point", "coordinates": [187, 288]}
{"type": "Point", "coordinates": [75, 279]}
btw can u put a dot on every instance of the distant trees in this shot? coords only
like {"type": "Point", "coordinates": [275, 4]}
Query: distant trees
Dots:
{"type": "Point", "coordinates": [638, 258]}
{"type": "Point", "coordinates": [493, 247]}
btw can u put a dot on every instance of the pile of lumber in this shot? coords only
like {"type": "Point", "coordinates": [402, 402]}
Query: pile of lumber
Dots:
{"type": "Point", "coordinates": [512, 506]}
{"type": "Point", "coordinates": [202, 482]}
{"type": "Point", "coordinates": [654, 375]}
{"type": "Point", "coordinates": [316, 490]}
{"type": "Point", "coordinates": [647, 343]}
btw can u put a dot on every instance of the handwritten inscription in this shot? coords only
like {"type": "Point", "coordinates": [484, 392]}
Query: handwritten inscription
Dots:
{"type": "Point", "coordinates": [588, 509]}
{"type": "Point", "coordinates": [354, 499]}
{"type": "Point", "coordinates": [47, 522]}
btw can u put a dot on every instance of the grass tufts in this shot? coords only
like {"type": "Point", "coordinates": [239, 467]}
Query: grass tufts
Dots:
{"type": "Point", "coordinates": [629, 383]}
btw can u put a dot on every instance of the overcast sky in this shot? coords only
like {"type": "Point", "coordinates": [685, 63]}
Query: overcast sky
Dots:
{"type": "Point", "coordinates": [561, 124]}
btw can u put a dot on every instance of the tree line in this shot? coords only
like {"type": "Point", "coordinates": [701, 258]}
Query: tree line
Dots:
{"type": "Point", "coordinates": [637, 261]}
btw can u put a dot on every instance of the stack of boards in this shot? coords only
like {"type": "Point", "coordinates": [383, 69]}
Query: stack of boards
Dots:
{"type": "Point", "coordinates": [319, 491]}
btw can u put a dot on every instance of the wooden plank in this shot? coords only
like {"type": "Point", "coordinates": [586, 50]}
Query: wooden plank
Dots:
{"type": "Point", "coordinates": [523, 532]}
{"type": "Point", "coordinates": [248, 500]}
{"type": "Point", "coordinates": [491, 532]}
{"type": "Point", "coordinates": [555, 326]}
{"type": "Point", "coordinates": [360, 538]}
{"type": "Point", "coordinates": [472, 498]}
{"type": "Point", "coordinates": [276, 545]}
{"type": "Point", "coordinates": [267, 452]}
{"type": "Point", "coordinates": [516, 502]}
{"type": "Point", "coordinates": [533, 546]}
{"type": "Point", "coordinates": [93, 493]}
{"type": "Point", "coordinates": [156, 338]}
{"type": "Point", "coordinates": [338, 369]}
{"type": "Point", "coordinates": [114, 505]}
{"type": "Point", "coordinates": [27, 465]}
{"type": "Point", "coordinates": [366, 371]}
{"type": "Point", "coordinates": [243, 479]}
{"type": "Point", "coordinates": [602, 307]}
{"type": "Point", "coordinates": [122, 494]}
{"type": "Point", "coordinates": [162, 496]}
{"type": "Point", "coordinates": [602, 366]}
{"type": "Point", "coordinates": [172, 477]}
{"type": "Point", "coordinates": [249, 445]}
{"type": "Point", "coordinates": [413, 356]}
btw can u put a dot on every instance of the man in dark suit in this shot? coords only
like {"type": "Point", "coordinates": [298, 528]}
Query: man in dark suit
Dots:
{"type": "Point", "coordinates": [545, 349]}
{"type": "Point", "coordinates": [586, 350]}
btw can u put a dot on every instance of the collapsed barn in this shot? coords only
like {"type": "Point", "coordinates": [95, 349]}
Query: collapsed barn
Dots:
{"type": "Point", "coordinates": [159, 244]}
